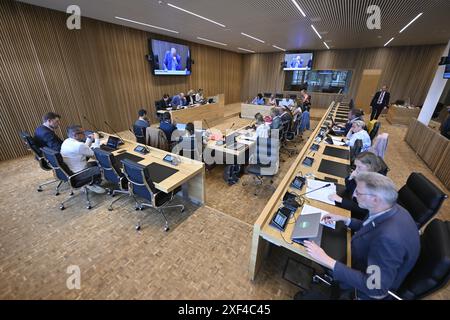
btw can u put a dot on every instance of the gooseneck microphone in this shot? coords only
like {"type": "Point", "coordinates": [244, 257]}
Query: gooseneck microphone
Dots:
{"type": "Point", "coordinates": [114, 131]}
{"type": "Point", "coordinates": [323, 187]}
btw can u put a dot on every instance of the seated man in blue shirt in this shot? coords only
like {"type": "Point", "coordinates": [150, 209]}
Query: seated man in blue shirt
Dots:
{"type": "Point", "coordinates": [179, 100]}
{"type": "Point", "coordinates": [167, 126]}
{"type": "Point", "coordinates": [45, 135]}
{"type": "Point", "coordinates": [385, 246]}
{"type": "Point", "coordinates": [258, 100]}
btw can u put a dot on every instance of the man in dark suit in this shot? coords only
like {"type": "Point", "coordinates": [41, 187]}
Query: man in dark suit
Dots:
{"type": "Point", "coordinates": [379, 102]}
{"type": "Point", "coordinates": [45, 135]}
{"type": "Point", "coordinates": [165, 102]}
{"type": "Point", "coordinates": [385, 246]}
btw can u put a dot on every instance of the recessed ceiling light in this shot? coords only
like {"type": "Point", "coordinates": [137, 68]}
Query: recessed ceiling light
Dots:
{"type": "Point", "coordinates": [197, 15]}
{"type": "Point", "coordinates": [145, 24]}
{"type": "Point", "coordinates": [315, 30]}
{"type": "Point", "coordinates": [246, 50]}
{"type": "Point", "coordinates": [388, 42]}
{"type": "Point", "coordinates": [251, 37]}
{"type": "Point", "coordinates": [417, 17]}
{"type": "Point", "coordinates": [326, 45]}
{"type": "Point", "coordinates": [212, 41]}
{"type": "Point", "coordinates": [298, 7]}
{"type": "Point", "coordinates": [278, 48]}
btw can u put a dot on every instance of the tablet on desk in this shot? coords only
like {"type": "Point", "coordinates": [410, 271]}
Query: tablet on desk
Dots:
{"type": "Point", "coordinates": [308, 162]}
{"type": "Point", "coordinates": [168, 158]}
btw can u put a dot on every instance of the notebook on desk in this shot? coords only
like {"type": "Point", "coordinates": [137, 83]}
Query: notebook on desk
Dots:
{"type": "Point", "coordinates": [334, 168]}
{"type": "Point", "coordinates": [158, 172]}
{"type": "Point", "coordinates": [128, 156]}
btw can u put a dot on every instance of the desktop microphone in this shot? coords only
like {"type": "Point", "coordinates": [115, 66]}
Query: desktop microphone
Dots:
{"type": "Point", "coordinates": [232, 126]}
{"type": "Point", "coordinates": [145, 142]}
{"type": "Point", "coordinates": [323, 187]}
{"type": "Point", "coordinates": [96, 129]}
{"type": "Point", "coordinates": [114, 131]}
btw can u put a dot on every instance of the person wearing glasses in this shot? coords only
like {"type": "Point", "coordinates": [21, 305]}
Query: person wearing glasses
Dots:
{"type": "Point", "coordinates": [385, 246]}
{"type": "Point", "coordinates": [364, 162]}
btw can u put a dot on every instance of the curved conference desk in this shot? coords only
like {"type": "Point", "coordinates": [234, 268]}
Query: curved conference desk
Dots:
{"type": "Point", "coordinates": [326, 166]}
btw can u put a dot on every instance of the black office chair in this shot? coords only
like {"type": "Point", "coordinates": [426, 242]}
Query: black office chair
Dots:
{"type": "Point", "coordinates": [61, 171]}
{"type": "Point", "coordinates": [374, 131]}
{"type": "Point", "coordinates": [285, 134]}
{"type": "Point", "coordinates": [355, 150]}
{"type": "Point", "coordinates": [432, 269]}
{"type": "Point", "coordinates": [112, 173]}
{"type": "Point", "coordinates": [421, 198]}
{"type": "Point", "coordinates": [31, 144]}
{"type": "Point", "coordinates": [139, 133]}
{"type": "Point", "coordinates": [267, 162]}
{"type": "Point", "coordinates": [142, 186]}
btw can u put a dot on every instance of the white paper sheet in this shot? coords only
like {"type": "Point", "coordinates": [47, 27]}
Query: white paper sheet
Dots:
{"type": "Point", "coordinates": [322, 194]}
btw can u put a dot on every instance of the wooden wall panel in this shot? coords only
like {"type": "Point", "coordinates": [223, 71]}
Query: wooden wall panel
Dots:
{"type": "Point", "coordinates": [408, 71]}
{"type": "Point", "coordinates": [99, 72]}
{"type": "Point", "coordinates": [432, 147]}
{"type": "Point", "coordinates": [443, 168]}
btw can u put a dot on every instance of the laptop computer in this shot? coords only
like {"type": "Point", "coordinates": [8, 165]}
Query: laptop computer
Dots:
{"type": "Point", "coordinates": [308, 227]}
{"type": "Point", "coordinates": [111, 145]}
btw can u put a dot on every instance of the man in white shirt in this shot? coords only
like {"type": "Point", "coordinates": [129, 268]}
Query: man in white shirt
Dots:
{"type": "Point", "coordinates": [287, 103]}
{"type": "Point", "coordinates": [75, 153]}
{"type": "Point", "coordinates": [262, 129]}
{"type": "Point", "coordinates": [357, 132]}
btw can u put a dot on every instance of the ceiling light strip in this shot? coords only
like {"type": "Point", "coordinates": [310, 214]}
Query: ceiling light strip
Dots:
{"type": "Point", "coordinates": [196, 15]}
{"type": "Point", "coordinates": [298, 7]}
{"type": "Point", "coordinates": [326, 45]}
{"type": "Point", "coordinates": [212, 41]}
{"type": "Point", "coordinates": [388, 42]}
{"type": "Point", "coordinates": [315, 30]}
{"type": "Point", "coordinates": [417, 17]}
{"type": "Point", "coordinates": [246, 50]}
{"type": "Point", "coordinates": [145, 24]}
{"type": "Point", "coordinates": [276, 47]}
{"type": "Point", "coordinates": [251, 37]}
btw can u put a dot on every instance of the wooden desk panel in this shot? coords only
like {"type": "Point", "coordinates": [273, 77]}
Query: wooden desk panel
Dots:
{"type": "Point", "coordinates": [190, 175]}
{"type": "Point", "coordinates": [248, 111]}
{"type": "Point", "coordinates": [264, 234]}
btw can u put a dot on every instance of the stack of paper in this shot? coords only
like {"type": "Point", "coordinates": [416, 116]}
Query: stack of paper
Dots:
{"type": "Point", "coordinates": [338, 142]}
{"type": "Point", "coordinates": [322, 194]}
{"type": "Point", "coordinates": [309, 210]}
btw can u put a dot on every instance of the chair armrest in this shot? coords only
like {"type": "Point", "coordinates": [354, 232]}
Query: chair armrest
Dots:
{"type": "Point", "coordinates": [81, 177]}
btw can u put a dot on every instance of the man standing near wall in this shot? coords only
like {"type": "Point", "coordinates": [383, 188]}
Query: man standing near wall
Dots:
{"type": "Point", "coordinates": [379, 102]}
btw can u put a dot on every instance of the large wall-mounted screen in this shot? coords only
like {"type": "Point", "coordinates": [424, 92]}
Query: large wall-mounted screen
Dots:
{"type": "Point", "coordinates": [298, 61]}
{"type": "Point", "coordinates": [170, 59]}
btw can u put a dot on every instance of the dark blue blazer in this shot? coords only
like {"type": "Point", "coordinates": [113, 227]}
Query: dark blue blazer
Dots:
{"type": "Point", "coordinates": [168, 61]}
{"type": "Point", "coordinates": [167, 127]}
{"type": "Point", "coordinates": [46, 137]}
{"type": "Point", "coordinates": [390, 242]}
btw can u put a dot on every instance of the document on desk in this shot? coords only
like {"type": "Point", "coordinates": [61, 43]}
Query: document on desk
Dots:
{"type": "Point", "coordinates": [338, 142]}
{"type": "Point", "coordinates": [309, 210]}
{"type": "Point", "coordinates": [322, 194]}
